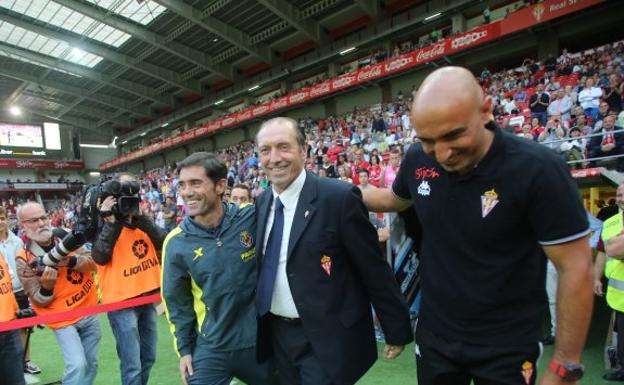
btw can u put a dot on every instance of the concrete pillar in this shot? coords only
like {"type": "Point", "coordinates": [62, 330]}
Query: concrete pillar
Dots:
{"type": "Point", "coordinates": [547, 44]}
{"type": "Point", "coordinates": [333, 69]}
{"type": "Point", "coordinates": [285, 87]}
{"type": "Point", "coordinates": [386, 91]}
{"type": "Point", "coordinates": [330, 106]}
{"type": "Point", "coordinates": [458, 23]}
{"type": "Point", "coordinates": [247, 133]}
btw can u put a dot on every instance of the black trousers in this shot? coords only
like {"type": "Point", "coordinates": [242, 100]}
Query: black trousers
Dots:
{"type": "Point", "coordinates": [294, 358]}
{"type": "Point", "coordinates": [618, 326]}
{"type": "Point", "coordinates": [441, 361]}
{"type": "Point", "coordinates": [11, 364]}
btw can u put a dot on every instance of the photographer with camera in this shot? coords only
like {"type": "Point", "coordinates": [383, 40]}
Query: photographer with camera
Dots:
{"type": "Point", "coordinates": [57, 277]}
{"type": "Point", "coordinates": [10, 344]}
{"type": "Point", "coordinates": [126, 249]}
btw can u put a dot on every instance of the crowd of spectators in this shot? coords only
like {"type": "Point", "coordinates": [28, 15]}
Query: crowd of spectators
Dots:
{"type": "Point", "coordinates": [557, 103]}
{"type": "Point", "coordinates": [565, 100]}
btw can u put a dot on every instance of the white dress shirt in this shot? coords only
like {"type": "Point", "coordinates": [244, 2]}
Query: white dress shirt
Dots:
{"type": "Point", "coordinates": [9, 249]}
{"type": "Point", "coordinates": [282, 302]}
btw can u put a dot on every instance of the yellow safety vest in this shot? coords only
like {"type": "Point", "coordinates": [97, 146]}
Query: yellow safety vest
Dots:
{"type": "Point", "coordinates": [614, 268]}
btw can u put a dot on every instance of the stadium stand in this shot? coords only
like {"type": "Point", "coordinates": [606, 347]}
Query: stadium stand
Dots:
{"type": "Point", "coordinates": [133, 88]}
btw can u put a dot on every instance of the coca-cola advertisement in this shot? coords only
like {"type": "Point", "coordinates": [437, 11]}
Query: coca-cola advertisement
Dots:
{"type": "Point", "coordinates": [430, 53]}
{"type": "Point", "coordinates": [320, 89]}
{"type": "Point", "coordinates": [370, 73]}
{"type": "Point", "coordinates": [521, 19]}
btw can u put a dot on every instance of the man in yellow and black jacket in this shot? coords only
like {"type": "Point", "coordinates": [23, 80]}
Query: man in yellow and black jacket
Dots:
{"type": "Point", "coordinates": [209, 278]}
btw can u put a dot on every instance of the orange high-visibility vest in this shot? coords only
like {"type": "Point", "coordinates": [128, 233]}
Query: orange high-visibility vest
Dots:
{"type": "Point", "coordinates": [72, 290]}
{"type": "Point", "coordinates": [133, 269]}
{"type": "Point", "coordinates": [8, 304]}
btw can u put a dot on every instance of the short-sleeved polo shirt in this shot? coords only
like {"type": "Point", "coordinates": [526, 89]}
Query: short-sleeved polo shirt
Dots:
{"type": "Point", "coordinates": [483, 266]}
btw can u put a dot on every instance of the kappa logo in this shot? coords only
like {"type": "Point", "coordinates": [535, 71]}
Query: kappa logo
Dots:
{"type": "Point", "coordinates": [74, 277]}
{"type": "Point", "coordinates": [424, 189]}
{"type": "Point", "coordinates": [246, 240]}
{"type": "Point", "coordinates": [140, 248]}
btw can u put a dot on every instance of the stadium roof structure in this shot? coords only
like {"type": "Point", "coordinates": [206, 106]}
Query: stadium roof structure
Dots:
{"type": "Point", "coordinates": [115, 67]}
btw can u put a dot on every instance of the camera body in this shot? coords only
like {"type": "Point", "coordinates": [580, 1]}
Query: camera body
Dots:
{"type": "Point", "coordinates": [92, 197]}
{"type": "Point", "coordinates": [126, 194]}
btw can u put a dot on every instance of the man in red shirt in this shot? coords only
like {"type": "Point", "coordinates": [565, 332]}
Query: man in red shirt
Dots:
{"type": "Point", "coordinates": [358, 164]}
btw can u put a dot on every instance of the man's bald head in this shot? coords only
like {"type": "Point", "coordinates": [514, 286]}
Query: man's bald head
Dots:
{"type": "Point", "coordinates": [447, 88]}
{"type": "Point", "coordinates": [449, 114]}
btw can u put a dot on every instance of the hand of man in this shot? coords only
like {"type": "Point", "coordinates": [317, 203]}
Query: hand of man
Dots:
{"type": "Point", "coordinates": [392, 351]}
{"type": "Point", "coordinates": [598, 288]}
{"type": "Point", "coordinates": [186, 367]}
{"type": "Point", "coordinates": [48, 278]}
{"type": "Point", "coordinates": [107, 205]}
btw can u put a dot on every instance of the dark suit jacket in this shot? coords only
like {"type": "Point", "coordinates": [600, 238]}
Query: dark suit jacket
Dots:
{"type": "Point", "coordinates": [335, 308]}
{"type": "Point", "coordinates": [595, 142]}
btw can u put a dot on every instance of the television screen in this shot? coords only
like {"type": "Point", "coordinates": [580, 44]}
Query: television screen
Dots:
{"type": "Point", "coordinates": [20, 135]}
{"type": "Point", "coordinates": [52, 136]}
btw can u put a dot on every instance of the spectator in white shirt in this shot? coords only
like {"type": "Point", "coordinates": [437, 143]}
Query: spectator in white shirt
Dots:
{"type": "Point", "coordinates": [561, 105]}
{"type": "Point", "coordinates": [589, 99]}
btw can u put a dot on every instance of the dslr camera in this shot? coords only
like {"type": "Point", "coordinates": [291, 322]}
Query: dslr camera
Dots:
{"type": "Point", "coordinates": [69, 242]}
{"type": "Point", "coordinates": [126, 194]}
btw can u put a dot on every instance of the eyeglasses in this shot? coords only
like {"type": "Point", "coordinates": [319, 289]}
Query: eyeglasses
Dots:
{"type": "Point", "coordinates": [31, 221]}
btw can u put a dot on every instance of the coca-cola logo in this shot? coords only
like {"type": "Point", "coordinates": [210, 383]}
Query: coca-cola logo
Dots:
{"type": "Point", "coordinates": [201, 131]}
{"type": "Point", "coordinates": [214, 126]}
{"type": "Point", "coordinates": [366, 74]}
{"type": "Point", "coordinates": [320, 90]}
{"type": "Point", "coordinates": [298, 97]}
{"type": "Point", "coordinates": [344, 81]}
{"type": "Point", "coordinates": [429, 53]}
{"type": "Point", "coordinates": [468, 39]}
{"type": "Point", "coordinates": [228, 121]}
{"type": "Point", "coordinates": [244, 115]}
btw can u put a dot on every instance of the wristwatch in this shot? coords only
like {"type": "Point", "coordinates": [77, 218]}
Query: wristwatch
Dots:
{"type": "Point", "coordinates": [571, 371]}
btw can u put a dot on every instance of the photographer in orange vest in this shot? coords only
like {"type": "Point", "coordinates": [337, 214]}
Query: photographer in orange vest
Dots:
{"type": "Point", "coordinates": [56, 279]}
{"type": "Point", "coordinates": [11, 349]}
{"type": "Point", "coordinates": [126, 249]}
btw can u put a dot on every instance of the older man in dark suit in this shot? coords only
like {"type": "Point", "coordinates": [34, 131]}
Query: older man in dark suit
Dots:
{"type": "Point", "coordinates": [320, 268]}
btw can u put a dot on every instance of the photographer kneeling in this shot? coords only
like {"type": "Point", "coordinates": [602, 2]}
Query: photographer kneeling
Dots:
{"type": "Point", "coordinates": [56, 279]}
{"type": "Point", "coordinates": [126, 250]}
